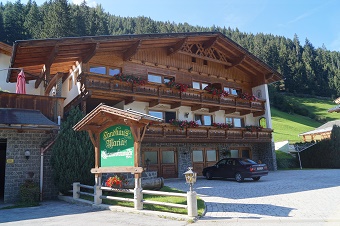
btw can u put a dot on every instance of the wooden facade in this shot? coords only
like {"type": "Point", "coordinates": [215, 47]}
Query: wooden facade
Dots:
{"type": "Point", "coordinates": [94, 65]}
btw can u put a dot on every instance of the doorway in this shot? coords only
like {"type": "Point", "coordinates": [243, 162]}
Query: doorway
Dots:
{"type": "Point", "coordinates": [162, 160]}
{"type": "Point", "coordinates": [203, 157]}
{"type": "Point", "coordinates": [3, 145]}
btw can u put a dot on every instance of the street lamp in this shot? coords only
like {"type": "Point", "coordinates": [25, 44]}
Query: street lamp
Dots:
{"type": "Point", "coordinates": [190, 177]}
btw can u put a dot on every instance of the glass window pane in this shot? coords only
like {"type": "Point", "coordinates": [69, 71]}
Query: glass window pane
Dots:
{"type": "Point", "coordinates": [114, 71]}
{"type": "Point", "coordinates": [227, 89]}
{"type": "Point", "coordinates": [211, 155]}
{"type": "Point", "coordinates": [152, 156]}
{"type": "Point", "coordinates": [229, 120]}
{"type": "Point", "coordinates": [157, 114]}
{"type": "Point", "coordinates": [204, 85]}
{"type": "Point", "coordinates": [245, 153]}
{"type": "Point", "coordinates": [207, 120]}
{"type": "Point", "coordinates": [168, 79]}
{"type": "Point", "coordinates": [237, 122]}
{"type": "Point", "coordinates": [233, 91]}
{"type": "Point", "coordinates": [197, 156]}
{"type": "Point", "coordinates": [198, 119]}
{"type": "Point", "coordinates": [168, 157]}
{"type": "Point", "coordinates": [98, 70]}
{"type": "Point", "coordinates": [234, 153]}
{"type": "Point", "coordinates": [155, 78]}
{"type": "Point", "coordinates": [196, 85]}
{"type": "Point", "coordinates": [169, 116]}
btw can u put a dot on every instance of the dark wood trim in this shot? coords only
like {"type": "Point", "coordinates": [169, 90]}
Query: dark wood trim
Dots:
{"type": "Point", "coordinates": [92, 51]}
{"type": "Point", "coordinates": [175, 48]}
{"type": "Point", "coordinates": [196, 107]}
{"type": "Point", "coordinates": [132, 50]}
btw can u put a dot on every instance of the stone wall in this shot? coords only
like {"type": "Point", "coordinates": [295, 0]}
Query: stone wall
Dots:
{"type": "Point", "coordinates": [263, 152]}
{"type": "Point", "coordinates": [22, 169]}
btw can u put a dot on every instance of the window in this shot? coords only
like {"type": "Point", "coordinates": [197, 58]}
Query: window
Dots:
{"type": "Point", "coordinates": [236, 122]}
{"type": "Point", "coordinates": [230, 90]}
{"type": "Point", "coordinates": [199, 85]}
{"type": "Point", "coordinates": [166, 115]}
{"type": "Point", "coordinates": [98, 69]}
{"type": "Point", "coordinates": [159, 78]}
{"type": "Point", "coordinates": [205, 120]}
{"type": "Point", "coordinates": [114, 71]}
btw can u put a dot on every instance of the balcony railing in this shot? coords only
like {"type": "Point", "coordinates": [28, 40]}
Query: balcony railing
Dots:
{"type": "Point", "coordinates": [51, 107]}
{"type": "Point", "coordinates": [160, 91]}
{"type": "Point", "coordinates": [169, 133]}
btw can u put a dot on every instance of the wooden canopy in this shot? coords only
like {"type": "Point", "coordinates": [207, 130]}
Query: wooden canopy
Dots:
{"type": "Point", "coordinates": [5, 49]}
{"type": "Point", "coordinates": [48, 57]}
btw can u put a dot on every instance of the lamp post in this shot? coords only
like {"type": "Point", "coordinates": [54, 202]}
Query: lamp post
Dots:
{"type": "Point", "coordinates": [190, 178]}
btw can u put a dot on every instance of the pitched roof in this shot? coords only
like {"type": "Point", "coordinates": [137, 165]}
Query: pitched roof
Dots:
{"type": "Point", "coordinates": [327, 127]}
{"type": "Point", "coordinates": [5, 49]}
{"type": "Point", "coordinates": [97, 117]}
{"type": "Point", "coordinates": [14, 118]}
{"type": "Point", "coordinates": [61, 54]}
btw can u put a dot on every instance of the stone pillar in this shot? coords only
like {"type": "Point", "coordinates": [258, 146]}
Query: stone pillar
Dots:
{"type": "Point", "coordinates": [76, 190]}
{"type": "Point", "coordinates": [97, 193]}
{"type": "Point", "coordinates": [192, 204]}
{"type": "Point", "coordinates": [138, 195]}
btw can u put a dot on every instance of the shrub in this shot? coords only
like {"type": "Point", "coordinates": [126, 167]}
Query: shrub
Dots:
{"type": "Point", "coordinates": [29, 193]}
{"type": "Point", "coordinates": [285, 160]}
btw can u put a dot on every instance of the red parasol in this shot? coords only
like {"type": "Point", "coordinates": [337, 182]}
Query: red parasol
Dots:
{"type": "Point", "coordinates": [21, 83]}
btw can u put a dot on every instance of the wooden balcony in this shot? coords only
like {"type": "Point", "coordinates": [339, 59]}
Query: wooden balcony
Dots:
{"type": "Point", "coordinates": [169, 133]}
{"type": "Point", "coordinates": [51, 107]}
{"type": "Point", "coordinates": [105, 87]}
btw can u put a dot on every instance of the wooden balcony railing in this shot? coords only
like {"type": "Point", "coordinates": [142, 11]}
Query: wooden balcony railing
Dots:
{"type": "Point", "coordinates": [51, 107]}
{"type": "Point", "coordinates": [160, 91]}
{"type": "Point", "coordinates": [169, 133]}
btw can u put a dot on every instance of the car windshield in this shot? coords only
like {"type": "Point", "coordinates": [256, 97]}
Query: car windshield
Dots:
{"type": "Point", "coordinates": [247, 162]}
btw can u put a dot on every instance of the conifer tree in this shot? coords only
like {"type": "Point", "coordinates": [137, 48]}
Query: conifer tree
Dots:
{"type": "Point", "coordinates": [72, 155]}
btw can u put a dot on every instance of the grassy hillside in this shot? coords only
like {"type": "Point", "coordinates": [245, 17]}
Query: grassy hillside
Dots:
{"type": "Point", "coordinates": [289, 126]}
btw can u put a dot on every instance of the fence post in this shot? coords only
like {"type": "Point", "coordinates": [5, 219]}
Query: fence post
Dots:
{"type": "Point", "coordinates": [76, 190]}
{"type": "Point", "coordinates": [138, 195]}
{"type": "Point", "coordinates": [192, 204]}
{"type": "Point", "coordinates": [97, 193]}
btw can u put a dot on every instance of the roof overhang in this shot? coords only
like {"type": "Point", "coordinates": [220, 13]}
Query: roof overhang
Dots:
{"type": "Point", "coordinates": [59, 55]}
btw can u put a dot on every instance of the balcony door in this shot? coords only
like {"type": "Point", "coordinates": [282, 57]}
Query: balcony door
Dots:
{"type": "Point", "coordinates": [162, 160]}
{"type": "Point", "coordinates": [203, 157]}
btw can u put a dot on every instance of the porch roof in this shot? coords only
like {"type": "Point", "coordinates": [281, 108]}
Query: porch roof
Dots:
{"type": "Point", "coordinates": [25, 119]}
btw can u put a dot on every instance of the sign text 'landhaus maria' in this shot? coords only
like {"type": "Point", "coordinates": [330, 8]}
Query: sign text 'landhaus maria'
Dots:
{"type": "Point", "coordinates": [116, 146]}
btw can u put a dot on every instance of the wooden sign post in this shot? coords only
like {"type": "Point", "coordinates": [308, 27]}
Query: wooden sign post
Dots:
{"type": "Point", "coordinates": [117, 136]}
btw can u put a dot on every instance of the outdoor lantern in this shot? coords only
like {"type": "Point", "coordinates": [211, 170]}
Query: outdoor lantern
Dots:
{"type": "Point", "coordinates": [27, 154]}
{"type": "Point", "coordinates": [190, 177]}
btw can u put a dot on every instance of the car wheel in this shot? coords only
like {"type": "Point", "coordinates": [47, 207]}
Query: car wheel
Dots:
{"type": "Point", "coordinates": [208, 175]}
{"type": "Point", "coordinates": [256, 178]}
{"type": "Point", "coordinates": [239, 177]}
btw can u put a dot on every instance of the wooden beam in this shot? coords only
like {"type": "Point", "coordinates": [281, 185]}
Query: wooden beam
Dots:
{"type": "Point", "coordinates": [53, 82]}
{"type": "Point", "coordinates": [244, 112]}
{"type": "Point", "coordinates": [176, 105]}
{"type": "Point", "coordinates": [269, 76]}
{"type": "Point", "coordinates": [129, 100]}
{"type": "Point", "coordinates": [40, 78]}
{"type": "Point", "coordinates": [91, 52]}
{"type": "Point", "coordinates": [230, 110]}
{"type": "Point", "coordinates": [132, 50]}
{"type": "Point", "coordinates": [196, 107]}
{"type": "Point", "coordinates": [153, 103]}
{"type": "Point", "coordinates": [237, 61]}
{"type": "Point", "coordinates": [210, 43]}
{"type": "Point", "coordinates": [258, 113]}
{"type": "Point", "coordinates": [175, 48]}
{"type": "Point", "coordinates": [213, 109]}
{"type": "Point", "coordinates": [117, 169]}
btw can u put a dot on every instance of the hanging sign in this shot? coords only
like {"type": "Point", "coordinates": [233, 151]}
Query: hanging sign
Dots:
{"type": "Point", "coordinates": [117, 146]}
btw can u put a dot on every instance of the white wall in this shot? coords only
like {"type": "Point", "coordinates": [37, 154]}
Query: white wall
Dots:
{"type": "Point", "coordinates": [4, 64]}
{"type": "Point", "coordinates": [75, 90]}
{"type": "Point", "coordinates": [261, 92]}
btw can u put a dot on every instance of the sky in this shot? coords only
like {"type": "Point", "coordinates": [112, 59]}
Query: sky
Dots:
{"type": "Point", "coordinates": [317, 20]}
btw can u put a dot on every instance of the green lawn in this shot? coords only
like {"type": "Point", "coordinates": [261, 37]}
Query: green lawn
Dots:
{"type": "Point", "coordinates": [289, 126]}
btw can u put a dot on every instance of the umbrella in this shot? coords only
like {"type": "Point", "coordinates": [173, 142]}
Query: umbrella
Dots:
{"type": "Point", "coordinates": [21, 83]}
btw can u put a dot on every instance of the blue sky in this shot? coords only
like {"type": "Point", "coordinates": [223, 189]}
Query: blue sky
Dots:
{"type": "Point", "coordinates": [317, 20]}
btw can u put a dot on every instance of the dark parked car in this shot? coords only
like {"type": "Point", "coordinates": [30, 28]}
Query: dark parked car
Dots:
{"type": "Point", "coordinates": [238, 168]}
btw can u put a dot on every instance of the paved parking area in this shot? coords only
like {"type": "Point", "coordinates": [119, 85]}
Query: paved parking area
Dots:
{"type": "Point", "coordinates": [293, 195]}
{"type": "Point", "coordinates": [295, 198]}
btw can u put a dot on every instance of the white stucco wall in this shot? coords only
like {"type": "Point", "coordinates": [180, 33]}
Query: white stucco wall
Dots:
{"type": "Point", "coordinates": [11, 87]}
{"type": "Point", "coordinates": [261, 92]}
{"type": "Point", "coordinates": [75, 90]}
